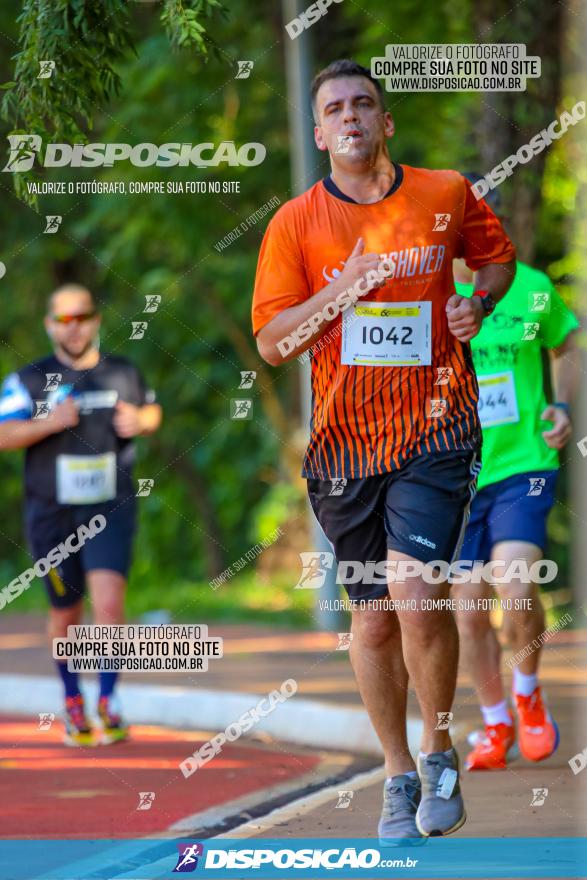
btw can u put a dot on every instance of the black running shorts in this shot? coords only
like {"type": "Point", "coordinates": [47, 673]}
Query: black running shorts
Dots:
{"type": "Point", "coordinates": [48, 526]}
{"type": "Point", "coordinates": [421, 510]}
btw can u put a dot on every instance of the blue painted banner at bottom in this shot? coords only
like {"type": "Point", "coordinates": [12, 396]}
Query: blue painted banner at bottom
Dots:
{"type": "Point", "coordinates": [151, 859]}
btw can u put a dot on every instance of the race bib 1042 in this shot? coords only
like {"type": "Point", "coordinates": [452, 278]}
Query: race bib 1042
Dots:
{"type": "Point", "coordinates": [86, 479]}
{"type": "Point", "coordinates": [387, 334]}
{"type": "Point", "coordinates": [497, 399]}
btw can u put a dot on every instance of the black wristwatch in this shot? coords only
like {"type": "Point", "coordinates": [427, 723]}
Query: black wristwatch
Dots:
{"type": "Point", "coordinates": [487, 301]}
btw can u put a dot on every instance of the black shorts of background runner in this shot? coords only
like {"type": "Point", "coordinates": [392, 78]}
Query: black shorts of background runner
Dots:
{"type": "Point", "coordinates": [48, 525]}
{"type": "Point", "coordinates": [421, 510]}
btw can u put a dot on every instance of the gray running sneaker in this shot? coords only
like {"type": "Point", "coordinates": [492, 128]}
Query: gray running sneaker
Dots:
{"type": "Point", "coordinates": [397, 826]}
{"type": "Point", "coordinates": [441, 809]}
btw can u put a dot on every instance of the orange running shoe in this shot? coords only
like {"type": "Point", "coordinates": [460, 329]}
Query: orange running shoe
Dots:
{"type": "Point", "coordinates": [538, 731]}
{"type": "Point", "coordinates": [493, 747]}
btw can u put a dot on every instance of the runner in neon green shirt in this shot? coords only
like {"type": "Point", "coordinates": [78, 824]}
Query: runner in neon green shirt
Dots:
{"type": "Point", "coordinates": [522, 434]}
{"type": "Point", "coordinates": [507, 354]}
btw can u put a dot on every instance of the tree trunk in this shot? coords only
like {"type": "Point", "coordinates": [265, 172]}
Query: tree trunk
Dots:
{"type": "Point", "coordinates": [511, 119]}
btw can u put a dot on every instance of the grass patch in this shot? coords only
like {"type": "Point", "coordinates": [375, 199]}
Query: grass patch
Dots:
{"type": "Point", "coordinates": [243, 599]}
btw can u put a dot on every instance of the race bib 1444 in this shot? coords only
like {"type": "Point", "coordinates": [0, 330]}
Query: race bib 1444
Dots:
{"type": "Point", "coordinates": [497, 399]}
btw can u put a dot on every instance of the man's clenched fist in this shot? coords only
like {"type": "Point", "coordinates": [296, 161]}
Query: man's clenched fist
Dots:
{"type": "Point", "coordinates": [465, 316]}
{"type": "Point", "coordinates": [127, 420]}
{"type": "Point", "coordinates": [62, 416]}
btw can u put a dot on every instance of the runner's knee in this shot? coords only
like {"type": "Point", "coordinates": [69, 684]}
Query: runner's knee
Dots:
{"type": "Point", "coordinates": [373, 629]}
{"type": "Point", "coordinates": [473, 624]}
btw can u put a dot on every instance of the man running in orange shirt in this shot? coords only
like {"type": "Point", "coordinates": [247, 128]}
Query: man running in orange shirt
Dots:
{"type": "Point", "coordinates": [366, 254]}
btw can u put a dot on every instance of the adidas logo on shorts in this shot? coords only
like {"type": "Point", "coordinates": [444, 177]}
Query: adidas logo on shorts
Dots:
{"type": "Point", "coordinates": [420, 540]}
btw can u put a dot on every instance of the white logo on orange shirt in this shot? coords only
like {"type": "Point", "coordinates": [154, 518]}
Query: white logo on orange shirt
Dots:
{"type": "Point", "coordinates": [335, 272]}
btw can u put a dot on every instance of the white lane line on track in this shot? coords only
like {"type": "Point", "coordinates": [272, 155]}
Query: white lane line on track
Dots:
{"type": "Point", "coordinates": [300, 720]}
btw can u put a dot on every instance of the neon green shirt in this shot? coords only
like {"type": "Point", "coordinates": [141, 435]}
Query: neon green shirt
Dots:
{"type": "Point", "coordinates": [508, 361]}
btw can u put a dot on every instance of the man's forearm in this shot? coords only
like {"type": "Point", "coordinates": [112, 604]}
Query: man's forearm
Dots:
{"type": "Point", "coordinates": [496, 278]}
{"type": "Point", "coordinates": [565, 370]}
{"type": "Point", "coordinates": [285, 325]}
{"type": "Point", "coordinates": [21, 433]}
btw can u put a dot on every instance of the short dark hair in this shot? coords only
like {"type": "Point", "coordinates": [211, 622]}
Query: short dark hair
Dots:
{"type": "Point", "coordinates": [343, 67]}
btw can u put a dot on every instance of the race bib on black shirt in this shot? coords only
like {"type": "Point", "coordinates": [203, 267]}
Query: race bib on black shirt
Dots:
{"type": "Point", "coordinates": [88, 461]}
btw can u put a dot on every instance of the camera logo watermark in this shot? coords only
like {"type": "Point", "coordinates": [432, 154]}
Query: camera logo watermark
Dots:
{"type": "Point", "coordinates": [152, 302]}
{"type": "Point", "coordinates": [344, 144]}
{"type": "Point", "coordinates": [138, 329]}
{"type": "Point", "coordinates": [344, 800]}
{"type": "Point", "coordinates": [187, 860]}
{"type": "Point", "coordinates": [537, 484]}
{"type": "Point", "coordinates": [444, 719]}
{"type": "Point", "coordinates": [23, 149]}
{"type": "Point", "coordinates": [530, 331]}
{"type": "Point", "coordinates": [46, 69]}
{"type": "Point", "coordinates": [315, 567]}
{"type": "Point", "coordinates": [539, 302]}
{"type": "Point", "coordinates": [241, 408]}
{"type": "Point", "coordinates": [344, 641]}
{"type": "Point", "coordinates": [46, 719]}
{"type": "Point", "coordinates": [244, 69]}
{"type": "Point", "coordinates": [441, 222]}
{"type": "Point", "coordinates": [52, 223]}
{"type": "Point", "coordinates": [247, 379]}
{"type": "Point", "coordinates": [146, 799]}
{"type": "Point", "coordinates": [443, 375]}
{"type": "Point", "coordinates": [53, 381]}
{"type": "Point", "coordinates": [539, 796]}
{"type": "Point", "coordinates": [436, 407]}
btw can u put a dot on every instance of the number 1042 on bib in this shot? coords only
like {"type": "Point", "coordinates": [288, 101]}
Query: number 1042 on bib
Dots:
{"type": "Point", "coordinates": [387, 334]}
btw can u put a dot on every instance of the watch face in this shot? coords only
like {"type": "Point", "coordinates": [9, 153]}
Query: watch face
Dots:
{"type": "Point", "coordinates": [488, 303]}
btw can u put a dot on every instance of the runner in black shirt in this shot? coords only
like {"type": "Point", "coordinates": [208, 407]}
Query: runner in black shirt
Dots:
{"type": "Point", "coordinates": [76, 412]}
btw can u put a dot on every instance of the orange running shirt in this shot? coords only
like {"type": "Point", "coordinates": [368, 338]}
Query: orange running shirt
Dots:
{"type": "Point", "coordinates": [369, 420]}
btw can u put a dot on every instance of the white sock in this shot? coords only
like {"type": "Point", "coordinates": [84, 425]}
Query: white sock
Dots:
{"type": "Point", "coordinates": [525, 685]}
{"type": "Point", "coordinates": [497, 714]}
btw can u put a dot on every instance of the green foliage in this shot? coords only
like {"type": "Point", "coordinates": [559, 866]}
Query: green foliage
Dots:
{"type": "Point", "coordinates": [86, 40]}
{"type": "Point", "coordinates": [276, 509]}
{"type": "Point", "coordinates": [220, 485]}
{"type": "Point", "coordinates": [182, 23]}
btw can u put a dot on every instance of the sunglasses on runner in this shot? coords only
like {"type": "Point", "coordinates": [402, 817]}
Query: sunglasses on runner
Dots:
{"type": "Point", "coordinates": [68, 319]}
